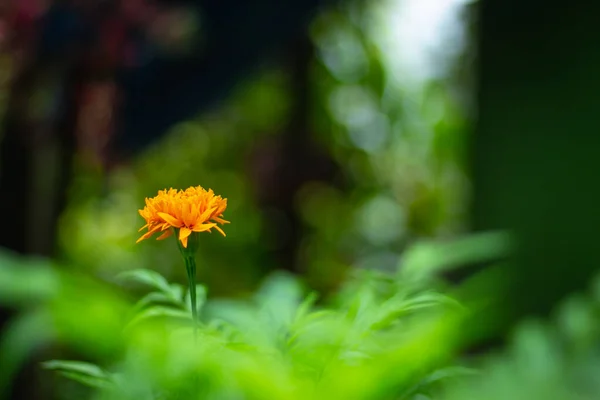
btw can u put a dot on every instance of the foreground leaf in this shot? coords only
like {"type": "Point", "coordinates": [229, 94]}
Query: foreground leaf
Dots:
{"type": "Point", "coordinates": [86, 373]}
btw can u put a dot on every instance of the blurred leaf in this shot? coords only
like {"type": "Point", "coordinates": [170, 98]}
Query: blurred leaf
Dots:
{"type": "Point", "coordinates": [26, 281]}
{"type": "Point", "coordinates": [82, 372]}
{"type": "Point", "coordinates": [398, 306]}
{"type": "Point", "coordinates": [156, 298]}
{"type": "Point", "coordinates": [278, 299]}
{"type": "Point", "coordinates": [233, 312]}
{"type": "Point", "coordinates": [20, 338]}
{"type": "Point", "coordinates": [427, 258]}
{"type": "Point", "coordinates": [159, 312]}
{"type": "Point", "coordinates": [149, 278]}
{"type": "Point", "coordinates": [305, 307]}
{"type": "Point", "coordinates": [363, 299]}
{"type": "Point", "coordinates": [176, 292]}
{"type": "Point", "coordinates": [450, 372]}
{"type": "Point", "coordinates": [280, 288]}
{"type": "Point", "coordinates": [90, 315]}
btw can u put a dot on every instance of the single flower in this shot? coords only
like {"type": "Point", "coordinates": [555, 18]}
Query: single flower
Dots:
{"type": "Point", "coordinates": [183, 211]}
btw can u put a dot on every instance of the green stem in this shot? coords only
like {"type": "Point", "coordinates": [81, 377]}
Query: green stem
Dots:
{"type": "Point", "coordinates": [190, 266]}
{"type": "Point", "coordinates": [189, 257]}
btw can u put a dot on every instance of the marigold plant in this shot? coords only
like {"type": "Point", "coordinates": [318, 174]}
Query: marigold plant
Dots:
{"type": "Point", "coordinates": [187, 213]}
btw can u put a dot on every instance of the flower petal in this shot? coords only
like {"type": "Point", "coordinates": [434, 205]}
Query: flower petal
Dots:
{"type": "Point", "coordinates": [145, 236]}
{"type": "Point", "coordinates": [220, 231]}
{"type": "Point", "coordinates": [165, 235]}
{"type": "Point", "coordinates": [155, 228]}
{"type": "Point", "coordinates": [184, 233]}
{"type": "Point", "coordinates": [184, 242]}
{"type": "Point", "coordinates": [185, 214]}
{"type": "Point", "coordinates": [203, 227]}
{"type": "Point", "coordinates": [170, 219]}
{"type": "Point", "coordinates": [206, 214]}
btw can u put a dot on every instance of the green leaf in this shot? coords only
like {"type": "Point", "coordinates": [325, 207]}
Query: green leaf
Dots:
{"type": "Point", "coordinates": [159, 312]}
{"type": "Point", "coordinates": [82, 372]}
{"type": "Point", "coordinates": [176, 292]}
{"type": "Point", "coordinates": [156, 298]}
{"type": "Point", "coordinates": [87, 380]}
{"type": "Point", "coordinates": [235, 313]}
{"type": "Point", "coordinates": [363, 303]}
{"type": "Point", "coordinates": [20, 337]}
{"type": "Point", "coordinates": [436, 377]}
{"type": "Point", "coordinates": [303, 316]}
{"type": "Point", "coordinates": [426, 258]}
{"type": "Point", "coordinates": [146, 277]}
{"type": "Point", "coordinates": [79, 367]}
{"type": "Point", "coordinates": [320, 315]}
{"type": "Point", "coordinates": [278, 299]}
{"type": "Point", "coordinates": [398, 306]}
{"type": "Point", "coordinates": [26, 281]}
{"type": "Point", "coordinates": [450, 372]}
{"type": "Point", "coordinates": [305, 307]}
{"type": "Point", "coordinates": [428, 299]}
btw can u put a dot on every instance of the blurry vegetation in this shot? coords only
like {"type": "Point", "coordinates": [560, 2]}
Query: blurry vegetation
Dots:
{"type": "Point", "coordinates": [554, 360]}
{"type": "Point", "coordinates": [401, 175]}
{"type": "Point", "coordinates": [384, 335]}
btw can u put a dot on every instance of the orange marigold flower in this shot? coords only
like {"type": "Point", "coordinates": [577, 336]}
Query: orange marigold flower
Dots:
{"type": "Point", "coordinates": [192, 210]}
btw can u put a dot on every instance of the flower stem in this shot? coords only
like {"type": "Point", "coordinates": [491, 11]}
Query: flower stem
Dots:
{"type": "Point", "coordinates": [190, 266]}
{"type": "Point", "coordinates": [189, 257]}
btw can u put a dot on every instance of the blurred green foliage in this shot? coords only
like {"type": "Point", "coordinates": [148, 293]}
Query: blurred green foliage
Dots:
{"type": "Point", "coordinates": [384, 335]}
{"type": "Point", "coordinates": [401, 156]}
{"type": "Point", "coordinates": [554, 360]}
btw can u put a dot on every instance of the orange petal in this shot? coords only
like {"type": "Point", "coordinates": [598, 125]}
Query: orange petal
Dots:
{"type": "Point", "coordinates": [165, 235]}
{"type": "Point", "coordinates": [206, 214]}
{"type": "Point", "coordinates": [170, 219]}
{"type": "Point", "coordinates": [143, 227]}
{"type": "Point", "coordinates": [203, 227]}
{"type": "Point", "coordinates": [155, 228]}
{"type": "Point", "coordinates": [185, 214]}
{"type": "Point", "coordinates": [184, 233]}
{"type": "Point", "coordinates": [220, 231]}
{"type": "Point", "coordinates": [184, 241]}
{"type": "Point", "coordinates": [220, 220]}
{"type": "Point", "coordinates": [145, 236]}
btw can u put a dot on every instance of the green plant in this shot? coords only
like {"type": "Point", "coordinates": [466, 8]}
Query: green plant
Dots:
{"type": "Point", "coordinates": [382, 336]}
{"type": "Point", "coordinates": [555, 359]}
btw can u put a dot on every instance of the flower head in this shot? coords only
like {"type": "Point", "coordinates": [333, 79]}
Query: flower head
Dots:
{"type": "Point", "coordinates": [187, 211]}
